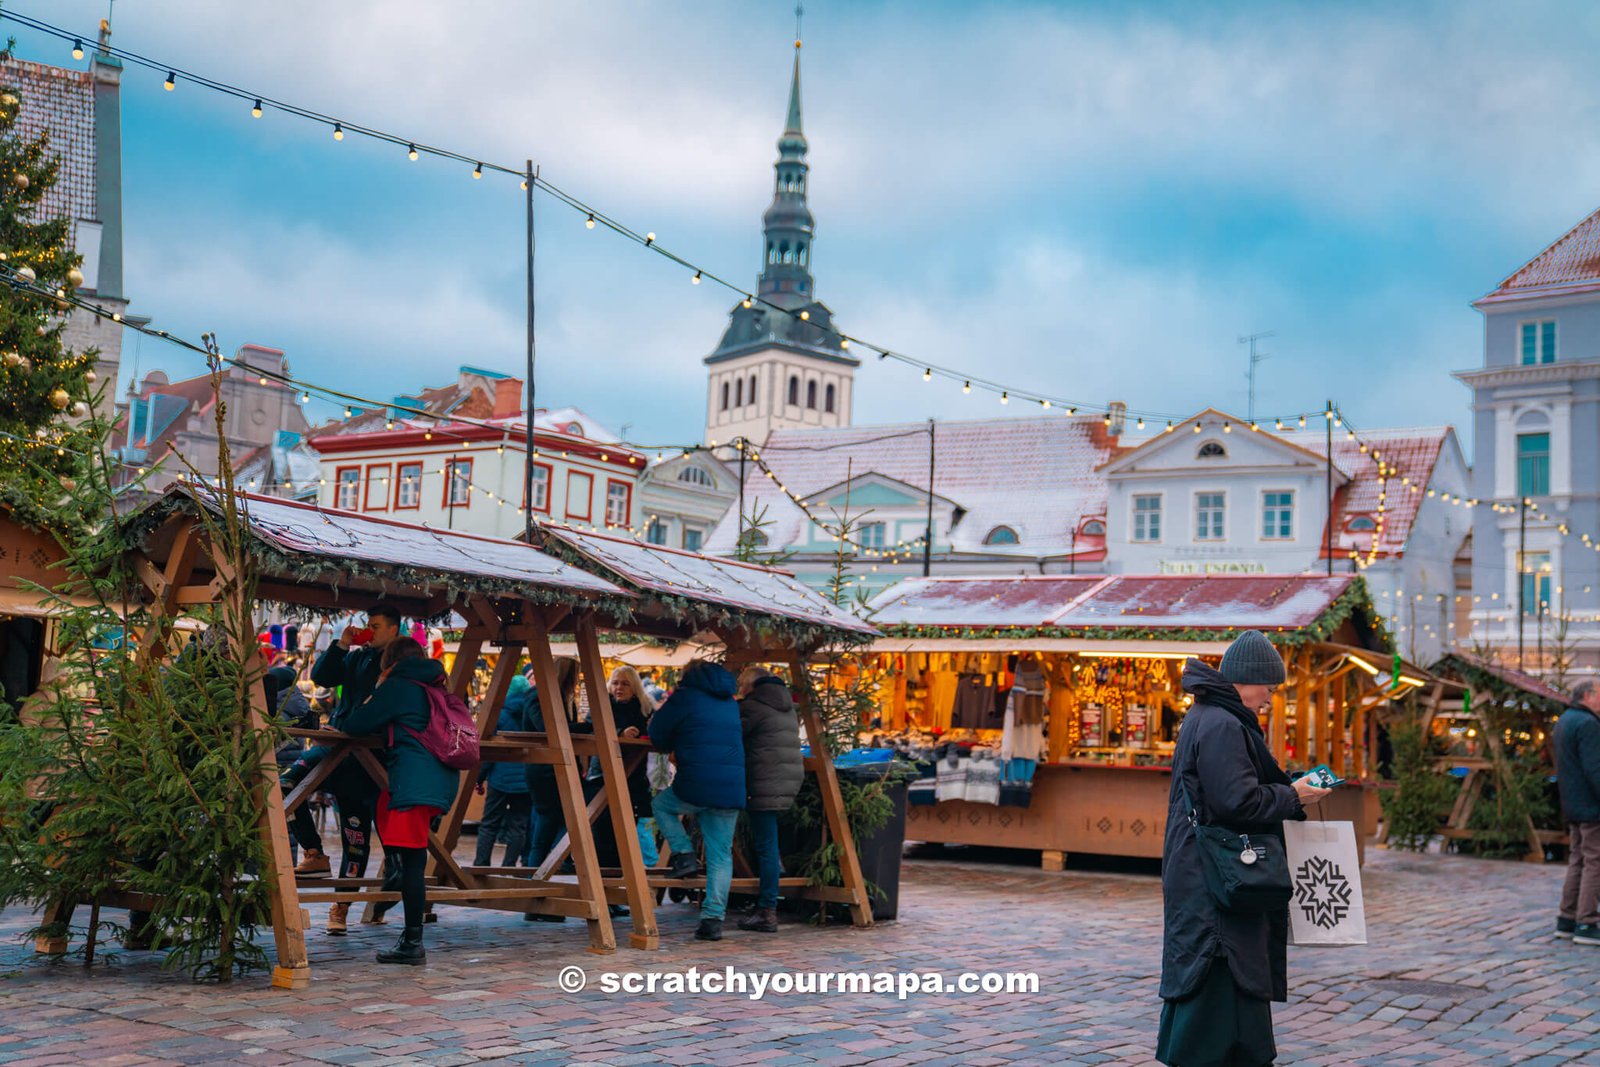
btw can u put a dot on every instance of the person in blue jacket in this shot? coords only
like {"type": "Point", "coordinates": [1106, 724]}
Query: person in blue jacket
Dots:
{"type": "Point", "coordinates": [420, 787]}
{"type": "Point", "coordinates": [508, 804]}
{"type": "Point", "coordinates": [699, 724]}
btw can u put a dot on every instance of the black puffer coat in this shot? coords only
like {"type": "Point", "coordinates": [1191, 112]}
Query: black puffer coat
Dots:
{"type": "Point", "coordinates": [1223, 760]}
{"type": "Point", "coordinates": [773, 769]}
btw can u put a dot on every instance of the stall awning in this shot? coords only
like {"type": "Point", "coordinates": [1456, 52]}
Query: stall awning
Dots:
{"type": "Point", "coordinates": [1129, 649]}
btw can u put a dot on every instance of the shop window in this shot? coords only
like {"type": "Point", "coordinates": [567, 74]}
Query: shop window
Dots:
{"type": "Point", "coordinates": [1277, 515]}
{"type": "Point", "coordinates": [1208, 516]}
{"type": "Point", "coordinates": [1147, 517]}
{"type": "Point", "coordinates": [1001, 535]}
{"type": "Point", "coordinates": [1533, 464]}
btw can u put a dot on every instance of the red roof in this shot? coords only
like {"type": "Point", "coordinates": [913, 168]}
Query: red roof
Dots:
{"type": "Point", "coordinates": [1570, 265]}
{"type": "Point", "coordinates": [1158, 602]}
{"type": "Point", "coordinates": [1411, 454]}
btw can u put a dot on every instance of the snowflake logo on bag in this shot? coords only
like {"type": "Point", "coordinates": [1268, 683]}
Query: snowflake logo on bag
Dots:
{"type": "Point", "coordinates": [1322, 891]}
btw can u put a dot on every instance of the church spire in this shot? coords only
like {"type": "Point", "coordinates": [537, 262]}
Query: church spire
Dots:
{"type": "Point", "coordinates": [788, 223]}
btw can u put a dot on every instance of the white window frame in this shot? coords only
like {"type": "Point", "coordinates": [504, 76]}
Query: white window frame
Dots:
{"type": "Point", "coordinates": [1265, 507]}
{"type": "Point", "coordinates": [408, 491]}
{"type": "Point", "coordinates": [1540, 356]}
{"type": "Point", "coordinates": [1137, 536]}
{"type": "Point", "coordinates": [1222, 532]}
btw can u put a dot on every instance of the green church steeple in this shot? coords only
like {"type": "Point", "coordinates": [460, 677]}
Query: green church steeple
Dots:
{"type": "Point", "coordinates": [788, 223]}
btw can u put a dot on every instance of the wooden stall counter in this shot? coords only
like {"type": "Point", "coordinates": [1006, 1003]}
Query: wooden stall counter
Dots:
{"type": "Point", "coordinates": [1095, 808]}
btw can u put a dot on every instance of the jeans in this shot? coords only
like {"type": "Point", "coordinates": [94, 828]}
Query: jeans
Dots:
{"type": "Point", "coordinates": [505, 818]}
{"type": "Point", "coordinates": [716, 830]}
{"type": "Point", "coordinates": [764, 838]}
{"type": "Point", "coordinates": [549, 823]}
{"type": "Point", "coordinates": [647, 842]}
{"type": "Point", "coordinates": [1580, 896]}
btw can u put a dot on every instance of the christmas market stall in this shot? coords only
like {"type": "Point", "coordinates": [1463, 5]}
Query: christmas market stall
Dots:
{"type": "Point", "coordinates": [513, 596]}
{"type": "Point", "coordinates": [1044, 710]}
{"type": "Point", "coordinates": [25, 625]}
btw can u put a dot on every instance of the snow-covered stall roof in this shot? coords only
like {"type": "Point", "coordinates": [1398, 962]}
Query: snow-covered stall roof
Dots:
{"type": "Point", "coordinates": [1157, 603]}
{"type": "Point", "coordinates": [742, 587]}
{"type": "Point", "coordinates": [308, 544]}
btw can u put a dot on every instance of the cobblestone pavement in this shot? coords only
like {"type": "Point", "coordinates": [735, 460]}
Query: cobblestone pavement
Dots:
{"type": "Point", "coordinates": [1462, 971]}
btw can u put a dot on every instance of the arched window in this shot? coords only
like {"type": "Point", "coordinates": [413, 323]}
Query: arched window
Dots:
{"type": "Point", "coordinates": [811, 395]}
{"type": "Point", "coordinates": [1212, 450]}
{"type": "Point", "coordinates": [696, 476]}
{"type": "Point", "coordinates": [752, 388]}
{"type": "Point", "coordinates": [827, 400]}
{"type": "Point", "coordinates": [724, 396]}
{"type": "Point", "coordinates": [794, 390]}
{"type": "Point", "coordinates": [738, 393]}
{"type": "Point", "coordinates": [1361, 524]}
{"type": "Point", "coordinates": [1093, 528]}
{"type": "Point", "coordinates": [772, 252]}
{"type": "Point", "coordinates": [1001, 535]}
{"type": "Point", "coordinates": [800, 256]}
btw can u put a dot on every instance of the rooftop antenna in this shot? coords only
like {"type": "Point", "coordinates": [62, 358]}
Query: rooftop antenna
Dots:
{"type": "Point", "coordinates": [799, 12]}
{"type": "Point", "coordinates": [1255, 358]}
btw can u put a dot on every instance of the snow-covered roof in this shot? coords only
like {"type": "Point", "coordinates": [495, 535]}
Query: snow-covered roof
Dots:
{"type": "Point", "coordinates": [1037, 475]}
{"type": "Point", "coordinates": [1570, 265]}
{"type": "Point", "coordinates": [59, 102]}
{"type": "Point", "coordinates": [1159, 603]}
{"type": "Point", "coordinates": [674, 572]}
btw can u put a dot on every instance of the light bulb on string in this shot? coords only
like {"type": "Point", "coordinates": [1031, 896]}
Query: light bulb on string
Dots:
{"type": "Point", "coordinates": [1302, 422]}
{"type": "Point", "coordinates": [748, 300]}
{"type": "Point", "coordinates": [1141, 422]}
{"type": "Point", "coordinates": [696, 279]}
{"type": "Point", "coordinates": [411, 152]}
{"type": "Point", "coordinates": [171, 82]}
{"type": "Point", "coordinates": [1005, 398]}
{"type": "Point", "coordinates": [477, 172]}
{"type": "Point", "coordinates": [255, 110]}
{"type": "Point", "coordinates": [589, 222]}
{"type": "Point", "coordinates": [927, 374]}
{"type": "Point", "coordinates": [77, 48]}
{"type": "Point", "coordinates": [966, 387]}
{"type": "Point", "coordinates": [338, 131]}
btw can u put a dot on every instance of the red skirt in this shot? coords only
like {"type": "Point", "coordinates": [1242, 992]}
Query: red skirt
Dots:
{"type": "Point", "coordinates": [407, 828]}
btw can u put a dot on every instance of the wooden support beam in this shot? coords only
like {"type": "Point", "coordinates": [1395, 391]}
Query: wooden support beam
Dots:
{"type": "Point", "coordinates": [614, 789]}
{"type": "Point", "coordinates": [319, 774]}
{"type": "Point", "coordinates": [855, 882]}
{"type": "Point", "coordinates": [602, 938]}
{"type": "Point", "coordinates": [505, 669]}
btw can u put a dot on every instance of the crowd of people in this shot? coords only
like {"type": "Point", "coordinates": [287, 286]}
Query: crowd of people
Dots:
{"type": "Point", "coordinates": [722, 745]}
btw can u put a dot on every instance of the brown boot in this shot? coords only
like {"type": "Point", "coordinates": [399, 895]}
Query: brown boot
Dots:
{"type": "Point", "coordinates": [762, 920]}
{"type": "Point", "coordinates": [338, 919]}
{"type": "Point", "coordinates": [314, 862]}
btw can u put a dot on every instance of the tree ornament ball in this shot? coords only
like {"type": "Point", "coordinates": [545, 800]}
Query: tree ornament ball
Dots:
{"type": "Point", "coordinates": [24, 362]}
{"type": "Point", "coordinates": [41, 329]}
{"type": "Point", "coordinates": [80, 410]}
{"type": "Point", "coordinates": [26, 274]}
{"type": "Point", "coordinates": [20, 180]}
{"type": "Point", "coordinates": [59, 398]}
{"type": "Point", "coordinates": [69, 484]}
{"type": "Point", "coordinates": [74, 277]}
{"type": "Point", "coordinates": [91, 377]}
{"type": "Point", "coordinates": [11, 359]}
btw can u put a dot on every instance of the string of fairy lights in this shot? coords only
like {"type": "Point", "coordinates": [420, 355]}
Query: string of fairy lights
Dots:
{"type": "Point", "coordinates": [341, 127]}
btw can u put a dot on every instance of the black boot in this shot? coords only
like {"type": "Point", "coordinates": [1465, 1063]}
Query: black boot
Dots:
{"type": "Point", "coordinates": [409, 950]}
{"type": "Point", "coordinates": [762, 920]}
{"type": "Point", "coordinates": [685, 865]}
{"type": "Point", "coordinates": [709, 930]}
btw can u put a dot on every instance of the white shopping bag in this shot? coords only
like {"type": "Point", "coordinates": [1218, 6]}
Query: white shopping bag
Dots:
{"type": "Point", "coordinates": [1323, 867]}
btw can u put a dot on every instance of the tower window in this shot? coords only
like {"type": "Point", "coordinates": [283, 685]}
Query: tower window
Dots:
{"type": "Point", "coordinates": [724, 396]}
{"type": "Point", "coordinates": [827, 400]}
{"type": "Point", "coordinates": [752, 388]}
{"type": "Point", "coordinates": [738, 393]}
{"type": "Point", "coordinates": [1539, 342]}
{"type": "Point", "coordinates": [794, 390]}
{"type": "Point", "coordinates": [811, 395]}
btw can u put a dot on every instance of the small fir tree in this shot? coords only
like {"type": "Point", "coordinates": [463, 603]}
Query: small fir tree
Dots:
{"type": "Point", "coordinates": [44, 387]}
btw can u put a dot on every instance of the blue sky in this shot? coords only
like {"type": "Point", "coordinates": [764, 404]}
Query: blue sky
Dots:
{"type": "Point", "coordinates": [1091, 199]}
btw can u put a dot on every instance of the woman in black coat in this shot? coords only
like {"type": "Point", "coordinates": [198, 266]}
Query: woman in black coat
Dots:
{"type": "Point", "coordinates": [1220, 970]}
{"type": "Point", "coordinates": [773, 771]}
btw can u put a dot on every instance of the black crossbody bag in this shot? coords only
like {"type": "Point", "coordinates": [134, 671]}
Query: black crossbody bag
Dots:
{"type": "Point", "coordinates": [1245, 873]}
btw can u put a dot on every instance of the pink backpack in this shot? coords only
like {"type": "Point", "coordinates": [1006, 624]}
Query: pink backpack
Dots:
{"type": "Point", "coordinates": [452, 733]}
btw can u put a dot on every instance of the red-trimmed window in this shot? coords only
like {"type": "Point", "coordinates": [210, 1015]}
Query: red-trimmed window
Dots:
{"type": "Point", "coordinates": [458, 483]}
{"type": "Point", "coordinates": [580, 494]}
{"type": "Point", "coordinates": [377, 492]}
{"type": "Point", "coordinates": [347, 488]}
{"type": "Point", "coordinates": [408, 487]}
{"type": "Point", "coordinates": [542, 473]}
{"type": "Point", "coordinates": [619, 503]}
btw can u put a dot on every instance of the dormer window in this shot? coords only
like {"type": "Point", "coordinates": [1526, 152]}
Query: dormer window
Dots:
{"type": "Point", "coordinates": [1093, 528]}
{"type": "Point", "coordinates": [1212, 450]}
{"type": "Point", "coordinates": [696, 476]}
{"type": "Point", "coordinates": [1361, 524]}
{"type": "Point", "coordinates": [1001, 535]}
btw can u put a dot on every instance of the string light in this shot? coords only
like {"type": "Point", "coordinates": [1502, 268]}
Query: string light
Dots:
{"type": "Point", "coordinates": [927, 375]}
{"type": "Point", "coordinates": [338, 131]}
{"type": "Point", "coordinates": [1005, 398]}
{"type": "Point", "coordinates": [696, 279]}
{"type": "Point", "coordinates": [77, 48]}
{"type": "Point", "coordinates": [411, 152]}
{"type": "Point", "coordinates": [255, 109]}
{"type": "Point", "coordinates": [477, 172]}
{"type": "Point", "coordinates": [589, 222]}
{"type": "Point", "coordinates": [171, 82]}
{"type": "Point", "coordinates": [966, 387]}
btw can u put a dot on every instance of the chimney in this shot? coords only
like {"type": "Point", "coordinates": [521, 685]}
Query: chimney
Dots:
{"type": "Point", "coordinates": [507, 398]}
{"type": "Point", "coordinates": [1117, 418]}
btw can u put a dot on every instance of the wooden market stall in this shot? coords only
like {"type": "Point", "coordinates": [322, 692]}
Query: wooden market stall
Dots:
{"type": "Point", "coordinates": [514, 596]}
{"type": "Point", "coordinates": [1048, 707]}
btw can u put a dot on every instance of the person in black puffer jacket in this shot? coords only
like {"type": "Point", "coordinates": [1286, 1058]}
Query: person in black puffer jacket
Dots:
{"type": "Point", "coordinates": [773, 771]}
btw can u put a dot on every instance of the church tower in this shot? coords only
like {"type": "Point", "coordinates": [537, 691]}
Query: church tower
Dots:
{"type": "Point", "coordinates": [773, 368]}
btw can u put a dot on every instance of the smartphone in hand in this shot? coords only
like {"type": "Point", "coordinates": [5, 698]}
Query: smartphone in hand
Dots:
{"type": "Point", "coordinates": [1323, 777]}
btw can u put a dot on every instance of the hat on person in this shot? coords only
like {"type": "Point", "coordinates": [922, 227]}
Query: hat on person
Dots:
{"type": "Point", "coordinates": [1251, 660]}
{"type": "Point", "coordinates": [519, 684]}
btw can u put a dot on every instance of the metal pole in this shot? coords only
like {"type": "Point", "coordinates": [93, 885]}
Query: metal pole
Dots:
{"type": "Point", "coordinates": [1072, 560]}
{"type": "Point", "coordinates": [1522, 585]}
{"type": "Point", "coordinates": [927, 535]}
{"type": "Point", "coordinates": [742, 443]}
{"type": "Point", "coordinates": [1327, 533]}
{"type": "Point", "coordinates": [527, 459]}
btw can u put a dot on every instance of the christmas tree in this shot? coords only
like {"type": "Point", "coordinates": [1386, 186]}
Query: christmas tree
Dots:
{"type": "Point", "coordinates": [45, 390]}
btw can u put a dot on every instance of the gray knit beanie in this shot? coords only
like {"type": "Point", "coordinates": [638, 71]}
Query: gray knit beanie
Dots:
{"type": "Point", "coordinates": [1251, 660]}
